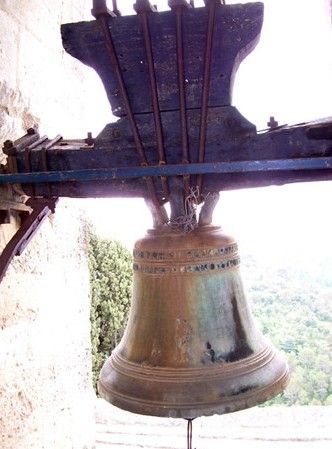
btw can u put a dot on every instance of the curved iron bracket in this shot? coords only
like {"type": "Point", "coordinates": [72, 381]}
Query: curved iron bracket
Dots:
{"type": "Point", "coordinates": [41, 208]}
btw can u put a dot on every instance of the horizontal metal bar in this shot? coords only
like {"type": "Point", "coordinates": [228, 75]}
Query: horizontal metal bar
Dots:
{"type": "Point", "coordinates": [105, 174]}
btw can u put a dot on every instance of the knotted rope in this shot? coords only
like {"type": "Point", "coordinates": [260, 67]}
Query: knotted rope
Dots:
{"type": "Point", "coordinates": [187, 222]}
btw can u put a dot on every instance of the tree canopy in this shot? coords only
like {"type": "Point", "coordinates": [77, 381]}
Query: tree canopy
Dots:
{"type": "Point", "coordinates": [110, 266]}
{"type": "Point", "coordinates": [293, 308]}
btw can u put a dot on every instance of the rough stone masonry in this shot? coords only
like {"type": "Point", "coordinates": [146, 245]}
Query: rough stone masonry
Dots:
{"type": "Point", "coordinates": [46, 398]}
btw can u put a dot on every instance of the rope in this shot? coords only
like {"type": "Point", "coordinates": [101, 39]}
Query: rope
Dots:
{"type": "Point", "coordinates": [187, 222]}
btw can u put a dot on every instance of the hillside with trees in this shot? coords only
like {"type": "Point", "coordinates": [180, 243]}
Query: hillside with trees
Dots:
{"type": "Point", "coordinates": [293, 307]}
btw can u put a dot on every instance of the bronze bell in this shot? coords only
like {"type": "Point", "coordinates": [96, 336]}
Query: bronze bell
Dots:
{"type": "Point", "coordinates": [191, 347]}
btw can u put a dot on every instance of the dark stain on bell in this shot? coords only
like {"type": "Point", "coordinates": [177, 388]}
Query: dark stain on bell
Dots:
{"type": "Point", "coordinates": [242, 350]}
{"type": "Point", "coordinates": [244, 390]}
{"type": "Point", "coordinates": [211, 352]}
{"type": "Point", "coordinates": [211, 355]}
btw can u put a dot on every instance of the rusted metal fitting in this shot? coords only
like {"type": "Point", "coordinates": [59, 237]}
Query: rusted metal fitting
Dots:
{"type": "Point", "coordinates": [116, 133]}
{"type": "Point", "coordinates": [218, 2]}
{"type": "Point", "coordinates": [8, 147]}
{"type": "Point", "coordinates": [51, 203]}
{"type": "Point", "coordinates": [144, 6]}
{"type": "Point", "coordinates": [100, 9]}
{"type": "Point", "coordinates": [272, 123]}
{"type": "Point", "coordinates": [4, 216]}
{"type": "Point", "coordinates": [180, 3]}
{"type": "Point", "coordinates": [41, 208]}
{"type": "Point", "coordinates": [89, 140]}
{"type": "Point", "coordinates": [115, 8]}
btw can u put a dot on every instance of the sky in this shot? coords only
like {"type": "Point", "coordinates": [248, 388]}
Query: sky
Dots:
{"type": "Point", "coordinates": [288, 76]}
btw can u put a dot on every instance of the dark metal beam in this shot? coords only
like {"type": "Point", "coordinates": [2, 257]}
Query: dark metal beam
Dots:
{"type": "Point", "coordinates": [102, 174]}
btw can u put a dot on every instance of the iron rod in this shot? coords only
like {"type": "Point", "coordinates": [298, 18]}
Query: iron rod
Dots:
{"type": "Point", "coordinates": [104, 174]}
{"type": "Point", "coordinates": [206, 86]}
{"type": "Point", "coordinates": [182, 95]}
{"type": "Point", "coordinates": [154, 95]}
{"type": "Point", "coordinates": [181, 81]}
{"type": "Point", "coordinates": [103, 20]}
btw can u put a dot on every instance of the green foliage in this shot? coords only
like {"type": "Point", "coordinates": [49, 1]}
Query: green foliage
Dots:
{"type": "Point", "coordinates": [293, 308]}
{"type": "Point", "coordinates": [110, 266]}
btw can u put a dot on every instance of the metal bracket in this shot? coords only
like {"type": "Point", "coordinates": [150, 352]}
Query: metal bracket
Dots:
{"type": "Point", "coordinates": [142, 6]}
{"type": "Point", "coordinates": [179, 4]}
{"type": "Point", "coordinates": [99, 9]}
{"type": "Point", "coordinates": [41, 208]}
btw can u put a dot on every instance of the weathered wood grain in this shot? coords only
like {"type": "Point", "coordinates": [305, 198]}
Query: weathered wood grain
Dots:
{"type": "Point", "coordinates": [237, 30]}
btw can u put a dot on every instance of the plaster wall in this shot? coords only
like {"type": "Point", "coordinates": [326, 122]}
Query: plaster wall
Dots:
{"type": "Point", "coordinates": [46, 398]}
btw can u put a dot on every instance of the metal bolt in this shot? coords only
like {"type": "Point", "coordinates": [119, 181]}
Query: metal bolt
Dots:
{"type": "Point", "coordinates": [8, 144]}
{"type": "Point", "coordinates": [8, 147]}
{"type": "Point", "coordinates": [116, 133]}
{"type": "Point", "coordinates": [144, 6]}
{"type": "Point", "coordinates": [89, 140]}
{"type": "Point", "coordinates": [272, 123]}
{"type": "Point", "coordinates": [4, 216]}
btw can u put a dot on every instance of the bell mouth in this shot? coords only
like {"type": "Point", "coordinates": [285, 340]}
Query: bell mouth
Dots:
{"type": "Point", "coordinates": [191, 393]}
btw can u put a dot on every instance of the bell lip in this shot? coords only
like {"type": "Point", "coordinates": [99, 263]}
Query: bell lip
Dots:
{"type": "Point", "coordinates": [229, 404]}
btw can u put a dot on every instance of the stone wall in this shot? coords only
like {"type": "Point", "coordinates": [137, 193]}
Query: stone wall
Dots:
{"type": "Point", "coordinates": [46, 398]}
{"type": "Point", "coordinates": [39, 82]}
